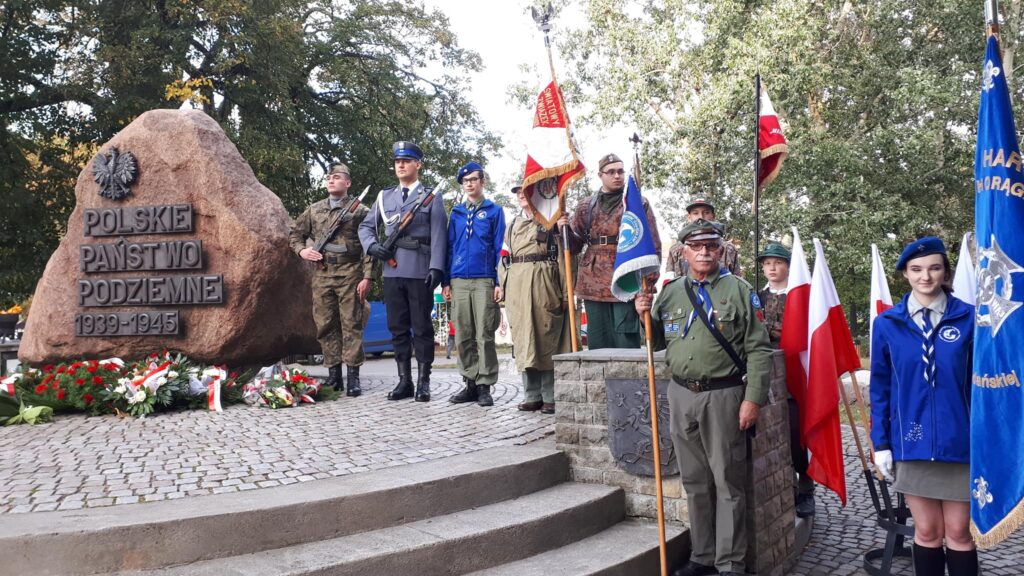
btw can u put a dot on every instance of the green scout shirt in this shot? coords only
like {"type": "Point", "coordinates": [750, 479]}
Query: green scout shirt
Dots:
{"type": "Point", "coordinates": [698, 355]}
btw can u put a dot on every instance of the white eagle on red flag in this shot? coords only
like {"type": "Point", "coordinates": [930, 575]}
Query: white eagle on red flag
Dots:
{"type": "Point", "coordinates": [771, 143]}
{"type": "Point", "coordinates": [552, 160]}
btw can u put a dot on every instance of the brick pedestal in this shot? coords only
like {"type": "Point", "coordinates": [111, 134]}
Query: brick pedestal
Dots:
{"type": "Point", "coordinates": [582, 384]}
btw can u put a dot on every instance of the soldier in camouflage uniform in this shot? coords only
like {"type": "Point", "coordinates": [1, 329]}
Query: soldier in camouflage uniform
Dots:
{"type": "Point", "coordinates": [774, 262]}
{"type": "Point", "coordinates": [341, 278]}
{"type": "Point", "coordinates": [702, 208]}
{"type": "Point", "coordinates": [610, 323]}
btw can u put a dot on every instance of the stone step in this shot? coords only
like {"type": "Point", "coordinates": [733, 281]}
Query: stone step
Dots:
{"type": "Point", "coordinates": [167, 533]}
{"type": "Point", "coordinates": [454, 543]}
{"type": "Point", "coordinates": [629, 548]}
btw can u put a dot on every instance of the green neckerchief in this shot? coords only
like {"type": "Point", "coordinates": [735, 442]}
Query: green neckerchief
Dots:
{"type": "Point", "coordinates": [609, 200]}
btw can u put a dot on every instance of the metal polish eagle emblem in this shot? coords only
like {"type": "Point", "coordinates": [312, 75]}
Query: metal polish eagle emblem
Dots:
{"type": "Point", "coordinates": [115, 172]}
{"type": "Point", "coordinates": [995, 286]}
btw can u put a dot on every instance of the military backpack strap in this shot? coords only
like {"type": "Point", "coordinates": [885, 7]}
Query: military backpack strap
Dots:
{"type": "Point", "coordinates": [590, 215]}
{"type": "Point", "coordinates": [719, 337]}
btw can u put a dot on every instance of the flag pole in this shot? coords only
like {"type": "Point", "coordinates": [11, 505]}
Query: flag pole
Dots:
{"type": "Point", "coordinates": [853, 425]}
{"type": "Point", "coordinates": [992, 18]}
{"type": "Point", "coordinates": [543, 19]}
{"type": "Point", "coordinates": [757, 175]}
{"type": "Point", "coordinates": [859, 397]}
{"type": "Point", "coordinates": [652, 391]}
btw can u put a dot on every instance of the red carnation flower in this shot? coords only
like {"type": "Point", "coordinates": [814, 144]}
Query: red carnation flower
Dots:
{"type": "Point", "coordinates": [56, 384]}
{"type": "Point", "coordinates": [41, 389]}
{"type": "Point", "coordinates": [91, 369]}
{"type": "Point", "coordinates": [87, 398]}
{"type": "Point", "coordinates": [80, 381]}
{"type": "Point", "coordinates": [75, 366]}
{"type": "Point", "coordinates": [61, 394]}
{"type": "Point", "coordinates": [60, 369]}
{"type": "Point", "coordinates": [48, 368]}
{"type": "Point", "coordinates": [110, 366]}
{"type": "Point", "coordinates": [96, 380]}
{"type": "Point", "coordinates": [233, 375]}
{"type": "Point", "coordinates": [48, 378]}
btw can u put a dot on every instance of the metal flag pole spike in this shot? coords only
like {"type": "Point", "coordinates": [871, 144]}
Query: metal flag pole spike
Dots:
{"type": "Point", "coordinates": [992, 17]}
{"type": "Point", "coordinates": [543, 19]}
{"type": "Point", "coordinates": [635, 139]}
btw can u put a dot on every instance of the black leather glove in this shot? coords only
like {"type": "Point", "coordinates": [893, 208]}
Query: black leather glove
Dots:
{"type": "Point", "coordinates": [433, 278]}
{"type": "Point", "coordinates": [381, 253]}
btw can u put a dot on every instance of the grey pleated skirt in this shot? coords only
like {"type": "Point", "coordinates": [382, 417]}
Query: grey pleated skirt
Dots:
{"type": "Point", "coordinates": [939, 480]}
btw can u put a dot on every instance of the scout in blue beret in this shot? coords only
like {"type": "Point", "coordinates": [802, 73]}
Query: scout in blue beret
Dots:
{"type": "Point", "coordinates": [920, 410]}
{"type": "Point", "coordinates": [476, 229]}
{"type": "Point", "coordinates": [918, 248]}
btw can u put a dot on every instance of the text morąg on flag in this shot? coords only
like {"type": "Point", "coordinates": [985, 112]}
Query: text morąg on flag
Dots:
{"type": "Point", "coordinates": [997, 398]}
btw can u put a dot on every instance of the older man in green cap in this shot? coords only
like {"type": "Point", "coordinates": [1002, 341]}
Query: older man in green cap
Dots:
{"type": "Point", "coordinates": [719, 355]}
{"type": "Point", "coordinates": [774, 263]}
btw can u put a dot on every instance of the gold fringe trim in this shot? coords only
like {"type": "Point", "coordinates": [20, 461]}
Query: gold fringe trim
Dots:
{"type": "Point", "coordinates": [1002, 530]}
{"type": "Point", "coordinates": [783, 151]}
{"type": "Point", "coordinates": [549, 224]}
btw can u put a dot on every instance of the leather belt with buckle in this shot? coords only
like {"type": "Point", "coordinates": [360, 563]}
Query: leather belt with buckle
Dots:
{"type": "Point", "coordinates": [604, 241]}
{"type": "Point", "coordinates": [708, 384]}
{"type": "Point", "coordinates": [549, 257]}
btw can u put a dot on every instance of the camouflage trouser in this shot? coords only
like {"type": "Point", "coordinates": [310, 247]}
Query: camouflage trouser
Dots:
{"type": "Point", "coordinates": [339, 318]}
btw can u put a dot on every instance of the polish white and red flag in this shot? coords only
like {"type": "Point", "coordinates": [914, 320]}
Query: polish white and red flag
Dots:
{"type": "Point", "coordinates": [794, 321]}
{"type": "Point", "coordinates": [830, 353]}
{"type": "Point", "coordinates": [552, 157]}
{"type": "Point", "coordinates": [881, 299]}
{"type": "Point", "coordinates": [771, 143]}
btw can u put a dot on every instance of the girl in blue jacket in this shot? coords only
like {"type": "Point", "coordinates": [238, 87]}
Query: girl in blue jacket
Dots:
{"type": "Point", "coordinates": [920, 408]}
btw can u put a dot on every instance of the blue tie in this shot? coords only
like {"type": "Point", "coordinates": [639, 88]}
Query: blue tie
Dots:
{"type": "Point", "coordinates": [705, 298]}
{"type": "Point", "coordinates": [928, 346]}
{"type": "Point", "coordinates": [405, 194]}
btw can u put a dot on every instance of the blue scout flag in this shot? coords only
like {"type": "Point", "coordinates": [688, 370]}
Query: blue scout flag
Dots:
{"type": "Point", "coordinates": [997, 399]}
{"type": "Point", "coordinates": [635, 255]}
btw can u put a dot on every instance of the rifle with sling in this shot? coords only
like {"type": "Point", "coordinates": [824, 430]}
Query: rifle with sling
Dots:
{"type": "Point", "coordinates": [423, 202]}
{"type": "Point", "coordinates": [331, 230]}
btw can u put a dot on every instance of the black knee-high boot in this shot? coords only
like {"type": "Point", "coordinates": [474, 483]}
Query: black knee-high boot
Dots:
{"type": "Point", "coordinates": [962, 562]}
{"type": "Point", "coordinates": [929, 561]}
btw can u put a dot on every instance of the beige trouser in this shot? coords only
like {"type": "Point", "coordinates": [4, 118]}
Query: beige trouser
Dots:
{"type": "Point", "coordinates": [476, 316]}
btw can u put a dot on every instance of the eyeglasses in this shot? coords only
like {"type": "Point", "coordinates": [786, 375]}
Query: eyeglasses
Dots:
{"type": "Point", "coordinates": [470, 180]}
{"type": "Point", "coordinates": [702, 246]}
{"type": "Point", "coordinates": [618, 172]}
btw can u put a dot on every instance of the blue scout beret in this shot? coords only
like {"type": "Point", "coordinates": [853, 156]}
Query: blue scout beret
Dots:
{"type": "Point", "coordinates": [918, 248]}
{"type": "Point", "coordinates": [774, 250]}
{"type": "Point", "coordinates": [406, 149]}
{"type": "Point", "coordinates": [467, 170]}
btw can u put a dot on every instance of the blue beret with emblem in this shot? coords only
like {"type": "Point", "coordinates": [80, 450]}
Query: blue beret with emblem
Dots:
{"type": "Point", "coordinates": [406, 149]}
{"type": "Point", "coordinates": [467, 170]}
{"type": "Point", "coordinates": [918, 248]}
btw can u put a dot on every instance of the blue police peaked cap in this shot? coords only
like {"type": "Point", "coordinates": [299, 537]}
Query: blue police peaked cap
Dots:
{"type": "Point", "coordinates": [406, 149]}
{"type": "Point", "coordinates": [918, 248]}
{"type": "Point", "coordinates": [467, 170]}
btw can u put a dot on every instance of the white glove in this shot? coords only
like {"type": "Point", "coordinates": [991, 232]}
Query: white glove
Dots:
{"type": "Point", "coordinates": [883, 461]}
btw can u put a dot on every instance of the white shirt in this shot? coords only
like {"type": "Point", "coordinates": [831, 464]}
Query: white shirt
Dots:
{"type": "Point", "coordinates": [937, 309]}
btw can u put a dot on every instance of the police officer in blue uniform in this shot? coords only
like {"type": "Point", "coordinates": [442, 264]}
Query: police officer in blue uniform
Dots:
{"type": "Point", "coordinates": [420, 254]}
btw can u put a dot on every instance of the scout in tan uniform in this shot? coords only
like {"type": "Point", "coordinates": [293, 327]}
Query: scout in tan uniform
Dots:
{"type": "Point", "coordinates": [610, 323]}
{"type": "Point", "coordinates": [535, 300]}
{"type": "Point", "coordinates": [730, 259]}
{"type": "Point", "coordinates": [341, 283]}
{"type": "Point", "coordinates": [711, 403]}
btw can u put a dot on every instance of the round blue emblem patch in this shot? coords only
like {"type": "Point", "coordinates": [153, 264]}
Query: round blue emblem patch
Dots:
{"type": "Point", "coordinates": [630, 232]}
{"type": "Point", "coordinates": [481, 215]}
{"type": "Point", "coordinates": [755, 301]}
{"type": "Point", "coordinates": [949, 334]}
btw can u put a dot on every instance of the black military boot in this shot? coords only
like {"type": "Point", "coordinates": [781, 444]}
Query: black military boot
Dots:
{"type": "Point", "coordinates": [334, 379]}
{"type": "Point", "coordinates": [423, 385]}
{"type": "Point", "coordinates": [353, 382]}
{"type": "Point", "coordinates": [467, 394]}
{"type": "Point", "coordinates": [483, 396]}
{"type": "Point", "coordinates": [404, 388]}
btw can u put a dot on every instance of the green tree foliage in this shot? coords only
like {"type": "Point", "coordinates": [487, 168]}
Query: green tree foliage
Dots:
{"type": "Point", "coordinates": [878, 99]}
{"type": "Point", "coordinates": [295, 84]}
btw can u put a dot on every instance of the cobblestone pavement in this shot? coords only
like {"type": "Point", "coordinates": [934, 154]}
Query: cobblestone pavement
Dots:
{"type": "Point", "coordinates": [78, 462]}
{"type": "Point", "coordinates": [841, 536]}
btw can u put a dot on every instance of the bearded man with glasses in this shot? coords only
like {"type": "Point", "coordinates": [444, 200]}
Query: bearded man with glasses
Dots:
{"type": "Point", "coordinates": [718, 351]}
{"type": "Point", "coordinates": [595, 224]}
